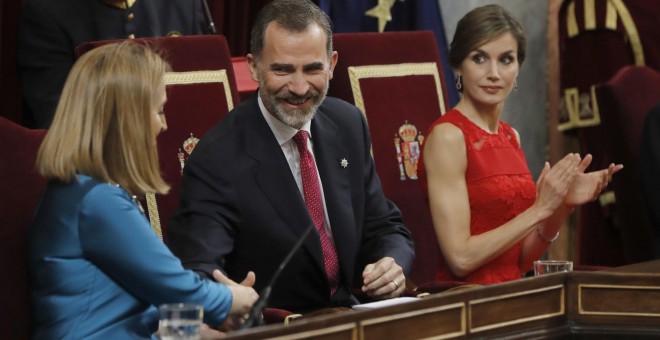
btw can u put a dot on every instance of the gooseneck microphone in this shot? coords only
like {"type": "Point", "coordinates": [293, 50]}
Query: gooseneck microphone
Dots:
{"type": "Point", "coordinates": [254, 315]}
{"type": "Point", "coordinates": [207, 11]}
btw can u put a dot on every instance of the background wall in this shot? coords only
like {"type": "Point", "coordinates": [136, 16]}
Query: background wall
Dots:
{"type": "Point", "coordinates": [526, 109]}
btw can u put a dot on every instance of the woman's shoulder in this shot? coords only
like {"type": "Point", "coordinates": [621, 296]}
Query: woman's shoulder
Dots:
{"type": "Point", "coordinates": [447, 128]}
{"type": "Point", "coordinates": [95, 192]}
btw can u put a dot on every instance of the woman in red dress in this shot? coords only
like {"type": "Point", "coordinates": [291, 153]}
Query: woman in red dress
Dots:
{"type": "Point", "coordinates": [490, 218]}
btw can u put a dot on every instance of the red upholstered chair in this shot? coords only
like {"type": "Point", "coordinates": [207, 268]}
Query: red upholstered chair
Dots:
{"type": "Point", "coordinates": [201, 91]}
{"type": "Point", "coordinates": [623, 104]}
{"type": "Point", "coordinates": [396, 79]}
{"type": "Point", "coordinates": [629, 32]}
{"type": "Point", "coordinates": [21, 188]}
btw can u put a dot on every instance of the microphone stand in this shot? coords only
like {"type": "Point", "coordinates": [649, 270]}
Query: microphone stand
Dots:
{"type": "Point", "coordinates": [207, 11]}
{"type": "Point", "coordinates": [254, 315]}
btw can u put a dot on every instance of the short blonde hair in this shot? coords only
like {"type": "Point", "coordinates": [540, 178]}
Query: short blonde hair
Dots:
{"type": "Point", "coordinates": [102, 126]}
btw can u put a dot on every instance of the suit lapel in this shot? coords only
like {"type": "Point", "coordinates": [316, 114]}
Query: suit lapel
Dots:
{"type": "Point", "coordinates": [329, 151]}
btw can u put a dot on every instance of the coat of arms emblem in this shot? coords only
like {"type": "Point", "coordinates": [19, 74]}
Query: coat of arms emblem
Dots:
{"type": "Point", "coordinates": [188, 146]}
{"type": "Point", "coordinates": [408, 142]}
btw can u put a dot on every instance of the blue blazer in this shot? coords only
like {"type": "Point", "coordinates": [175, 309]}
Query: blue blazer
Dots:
{"type": "Point", "coordinates": [98, 271]}
{"type": "Point", "coordinates": [241, 209]}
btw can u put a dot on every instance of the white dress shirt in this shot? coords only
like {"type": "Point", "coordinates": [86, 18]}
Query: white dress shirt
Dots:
{"type": "Point", "coordinates": [284, 135]}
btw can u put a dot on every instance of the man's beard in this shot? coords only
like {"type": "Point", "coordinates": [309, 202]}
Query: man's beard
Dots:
{"type": "Point", "coordinates": [294, 118]}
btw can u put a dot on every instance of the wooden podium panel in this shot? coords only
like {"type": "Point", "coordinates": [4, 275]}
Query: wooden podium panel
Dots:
{"type": "Point", "coordinates": [584, 305]}
{"type": "Point", "coordinates": [448, 320]}
{"type": "Point", "coordinates": [519, 307]}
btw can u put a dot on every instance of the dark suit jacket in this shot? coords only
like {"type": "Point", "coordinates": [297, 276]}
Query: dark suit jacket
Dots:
{"type": "Point", "coordinates": [241, 209]}
{"type": "Point", "coordinates": [649, 163]}
{"type": "Point", "coordinates": [50, 30]}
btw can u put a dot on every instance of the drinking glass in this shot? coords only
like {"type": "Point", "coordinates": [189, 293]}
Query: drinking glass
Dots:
{"type": "Point", "coordinates": [180, 321]}
{"type": "Point", "coordinates": [543, 267]}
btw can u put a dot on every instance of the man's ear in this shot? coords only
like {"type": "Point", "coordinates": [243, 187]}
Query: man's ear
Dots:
{"type": "Point", "coordinates": [252, 65]}
{"type": "Point", "coordinates": [333, 62]}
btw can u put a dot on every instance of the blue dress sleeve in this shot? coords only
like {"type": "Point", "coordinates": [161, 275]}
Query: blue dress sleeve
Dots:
{"type": "Point", "coordinates": [117, 238]}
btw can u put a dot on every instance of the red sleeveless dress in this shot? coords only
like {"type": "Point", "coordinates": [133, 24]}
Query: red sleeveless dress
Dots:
{"type": "Point", "coordinates": [499, 186]}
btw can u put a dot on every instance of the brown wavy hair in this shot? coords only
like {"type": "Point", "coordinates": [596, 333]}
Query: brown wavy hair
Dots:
{"type": "Point", "coordinates": [481, 25]}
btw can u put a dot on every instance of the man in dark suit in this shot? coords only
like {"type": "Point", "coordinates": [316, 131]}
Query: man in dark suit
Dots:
{"type": "Point", "coordinates": [50, 30]}
{"type": "Point", "coordinates": [247, 197]}
{"type": "Point", "coordinates": [649, 163]}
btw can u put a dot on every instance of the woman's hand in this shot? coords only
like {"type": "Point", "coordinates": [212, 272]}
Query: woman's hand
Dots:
{"type": "Point", "coordinates": [244, 296]}
{"type": "Point", "coordinates": [587, 186]}
{"type": "Point", "coordinates": [554, 183]}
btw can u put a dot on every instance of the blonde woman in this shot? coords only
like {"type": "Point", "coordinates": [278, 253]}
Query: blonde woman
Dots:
{"type": "Point", "coordinates": [96, 268]}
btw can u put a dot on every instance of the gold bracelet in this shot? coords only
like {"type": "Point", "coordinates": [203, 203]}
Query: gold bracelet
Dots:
{"type": "Point", "coordinates": [538, 231]}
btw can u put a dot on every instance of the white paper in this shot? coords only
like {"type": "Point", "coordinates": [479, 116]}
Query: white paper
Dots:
{"type": "Point", "coordinates": [384, 303]}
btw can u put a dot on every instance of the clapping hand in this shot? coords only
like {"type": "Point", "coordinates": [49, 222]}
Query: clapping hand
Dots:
{"type": "Point", "coordinates": [555, 182]}
{"type": "Point", "coordinates": [587, 186]}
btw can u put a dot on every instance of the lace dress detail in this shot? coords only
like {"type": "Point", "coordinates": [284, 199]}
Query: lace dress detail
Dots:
{"type": "Point", "coordinates": [499, 186]}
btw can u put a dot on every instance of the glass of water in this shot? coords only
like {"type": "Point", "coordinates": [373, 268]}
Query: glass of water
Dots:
{"type": "Point", "coordinates": [543, 267]}
{"type": "Point", "coordinates": [180, 321]}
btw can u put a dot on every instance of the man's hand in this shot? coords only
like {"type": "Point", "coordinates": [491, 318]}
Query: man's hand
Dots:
{"type": "Point", "coordinates": [243, 298]}
{"type": "Point", "coordinates": [383, 279]}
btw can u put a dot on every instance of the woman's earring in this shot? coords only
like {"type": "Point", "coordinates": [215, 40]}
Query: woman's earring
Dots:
{"type": "Point", "coordinates": [515, 85]}
{"type": "Point", "coordinates": [459, 83]}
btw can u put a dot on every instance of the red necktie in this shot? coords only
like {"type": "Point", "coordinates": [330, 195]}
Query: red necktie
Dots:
{"type": "Point", "coordinates": [314, 203]}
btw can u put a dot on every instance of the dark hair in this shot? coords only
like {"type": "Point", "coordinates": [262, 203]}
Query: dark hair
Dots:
{"type": "Point", "coordinates": [293, 15]}
{"type": "Point", "coordinates": [481, 25]}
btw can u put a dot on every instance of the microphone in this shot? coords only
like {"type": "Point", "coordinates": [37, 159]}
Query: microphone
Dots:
{"type": "Point", "coordinates": [254, 315]}
{"type": "Point", "coordinates": [207, 11]}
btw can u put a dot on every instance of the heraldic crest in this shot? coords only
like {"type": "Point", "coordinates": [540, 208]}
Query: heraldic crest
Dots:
{"type": "Point", "coordinates": [188, 146]}
{"type": "Point", "coordinates": [408, 142]}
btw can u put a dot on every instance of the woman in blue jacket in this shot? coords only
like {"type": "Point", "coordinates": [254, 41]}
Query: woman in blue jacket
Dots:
{"type": "Point", "coordinates": [97, 270]}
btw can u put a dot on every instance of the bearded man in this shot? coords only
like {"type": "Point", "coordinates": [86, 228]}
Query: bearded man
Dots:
{"type": "Point", "coordinates": [287, 160]}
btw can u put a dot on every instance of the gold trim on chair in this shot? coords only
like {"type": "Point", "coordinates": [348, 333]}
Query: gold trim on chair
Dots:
{"type": "Point", "coordinates": [631, 31]}
{"type": "Point", "coordinates": [186, 78]}
{"type": "Point", "coordinates": [583, 110]}
{"type": "Point", "coordinates": [614, 9]}
{"type": "Point", "coordinates": [355, 73]}
{"type": "Point", "coordinates": [573, 100]}
{"type": "Point", "coordinates": [154, 217]}
{"type": "Point", "coordinates": [202, 77]}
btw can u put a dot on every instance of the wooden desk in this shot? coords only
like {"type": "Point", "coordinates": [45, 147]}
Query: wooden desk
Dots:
{"type": "Point", "coordinates": [582, 305]}
{"type": "Point", "coordinates": [650, 267]}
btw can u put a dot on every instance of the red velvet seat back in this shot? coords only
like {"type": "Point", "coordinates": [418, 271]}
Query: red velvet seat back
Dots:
{"type": "Point", "coordinates": [396, 79]}
{"type": "Point", "coordinates": [201, 91]}
{"type": "Point", "coordinates": [623, 103]}
{"type": "Point", "coordinates": [629, 33]}
{"type": "Point", "coordinates": [21, 188]}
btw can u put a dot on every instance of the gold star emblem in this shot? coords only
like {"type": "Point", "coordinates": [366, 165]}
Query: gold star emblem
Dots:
{"type": "Point", "coordinates": [344, 163]}
{"type": "Point", "coordinates": [382, 11]}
